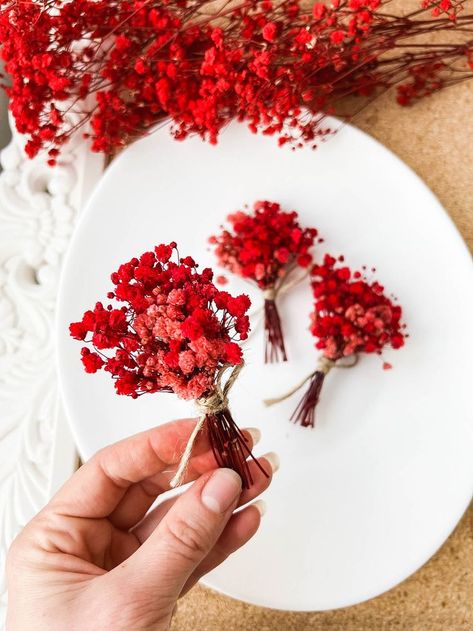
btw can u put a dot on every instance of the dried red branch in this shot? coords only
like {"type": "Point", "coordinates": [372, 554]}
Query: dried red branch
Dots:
{"type": "Point", "coordinates": [281, 67]}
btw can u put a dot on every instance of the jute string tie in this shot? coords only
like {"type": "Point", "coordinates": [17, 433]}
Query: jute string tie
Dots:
{"type": "Point", "coordinates": [213, 404]}
{"type": "Point", "coordinates": [271, 293]}
{"type": "Point", "coordinates": [324, 365]}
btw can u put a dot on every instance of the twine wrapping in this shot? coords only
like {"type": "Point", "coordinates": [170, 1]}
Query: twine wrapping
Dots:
{"type": "Point", "coordinates": [271, 293]}
{"type": "Point", "coordinates": [284, 287]}
{"type": "Point", "coordinates": [213, 404]}
{"type": "Point", "coordinates": [324, 365]}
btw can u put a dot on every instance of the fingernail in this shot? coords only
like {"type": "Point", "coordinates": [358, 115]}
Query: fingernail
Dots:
{"type": "Point", "coordinates": [273, 460]}
{"type": "Point", "coordinates": [221, 490]}
{"type": "Point", "coordinates": [260, 506]}
{"type": "Point", "coordinates": [254, 433]}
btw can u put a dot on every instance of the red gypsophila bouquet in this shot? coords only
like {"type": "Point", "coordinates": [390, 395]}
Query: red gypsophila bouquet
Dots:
{"type": "Point", "coordinates": [122, 66]}
{"type": "Point", "coordinates": [351, 315]}
{"type": "Point", "coordinates": [266, 247]}
{"type": "Point", "coordinates": [176, 332]}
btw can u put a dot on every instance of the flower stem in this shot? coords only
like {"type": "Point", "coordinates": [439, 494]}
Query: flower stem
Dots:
{"type": "Point", "coordinates": [304, 414]}
{"type": "Point", "coordinates": [275, 350]}
{"type": "Point", "coordinates": [230, 447]}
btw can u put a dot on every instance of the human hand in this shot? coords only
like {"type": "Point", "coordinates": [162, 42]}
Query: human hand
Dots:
{"type": "Point", "coordinates": [93, 559]}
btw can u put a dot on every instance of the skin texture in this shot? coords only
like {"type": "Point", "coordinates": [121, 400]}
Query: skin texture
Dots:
{"type": "Point", "coordinates": [96, 558]}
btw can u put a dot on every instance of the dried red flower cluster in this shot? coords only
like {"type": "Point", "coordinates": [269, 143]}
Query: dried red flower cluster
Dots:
{"type": "Point", "coordinates": [265, 246]}
{"type": "Point", "coordinates": [281, 66]}
{"type": "Point", "coordinates": [352, 315]}
{"type": "Point", "coordinates": [449, 8]}
{"type": "Point", "coordinates": [174, 333]}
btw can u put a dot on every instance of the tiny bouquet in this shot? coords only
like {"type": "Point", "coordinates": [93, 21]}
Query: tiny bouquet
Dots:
{"type": "Point", "coordinates": [351, 316]}
{"type": "Point", "coordinates": [266, 247]}
{"type": "Point", "coordinates": [176, 332]}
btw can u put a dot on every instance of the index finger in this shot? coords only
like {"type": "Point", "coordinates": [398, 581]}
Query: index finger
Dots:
{"type": "Point", "coordinates": [98, 486]}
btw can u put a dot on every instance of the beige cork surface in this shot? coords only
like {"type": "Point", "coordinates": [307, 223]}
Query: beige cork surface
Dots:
{"type": "Point", "coordinates": [435, 138]}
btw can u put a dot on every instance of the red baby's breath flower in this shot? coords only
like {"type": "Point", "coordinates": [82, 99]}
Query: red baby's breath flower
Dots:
{"type": "Point", "coordinates": [269, 31]}
{"type": "Point", "coordinates": [91, 361]}
{"type": "Point", "coordinates": [281, 67]}
{"type": "Point", "coordinates": [175, 332]}
{"type": "Point", "coordinates": [265, 247]}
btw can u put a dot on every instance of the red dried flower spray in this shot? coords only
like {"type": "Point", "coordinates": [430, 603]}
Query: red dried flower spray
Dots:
{"type": "Point", "coordinates": [280, 67]}
{"type": "Point", "coordinates": [351, 315]}
{"type": "Point", "coordinates": [176, 332]}
{"type": "Point", "coordinates": [266, 247]}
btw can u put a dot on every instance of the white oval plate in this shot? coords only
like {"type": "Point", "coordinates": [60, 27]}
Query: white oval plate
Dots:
{"type": "Point", "coordinates": [368, 496]}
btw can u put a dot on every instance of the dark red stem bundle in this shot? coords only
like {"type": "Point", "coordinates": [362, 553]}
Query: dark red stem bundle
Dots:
{"type": "Point", "coordinates": [230, 447]}
{"type": "Point", "coordinates": [274, 349]}
{"type": "Point", "coordinates": [304, 414]}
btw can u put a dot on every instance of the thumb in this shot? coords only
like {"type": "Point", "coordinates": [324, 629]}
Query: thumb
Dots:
{"type": "Point", "coordinates": [185, 536]}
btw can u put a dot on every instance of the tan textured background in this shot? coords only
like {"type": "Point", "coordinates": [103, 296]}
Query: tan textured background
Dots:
{"type": "Point", "coordinates": [435, 138]}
